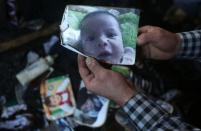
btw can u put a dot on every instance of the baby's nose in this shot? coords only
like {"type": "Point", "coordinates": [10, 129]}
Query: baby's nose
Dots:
{"type": "Point", "coordinates": [103, 42]}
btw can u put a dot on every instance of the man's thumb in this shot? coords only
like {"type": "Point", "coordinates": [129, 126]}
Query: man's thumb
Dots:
{"type": "Point", "coordinates": [93, 65]}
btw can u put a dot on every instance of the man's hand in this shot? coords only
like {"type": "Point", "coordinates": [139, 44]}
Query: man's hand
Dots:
{"type": "Point", "coordinates": [158, 43]}
{"type": "Point", "coordinates": [105, 82]}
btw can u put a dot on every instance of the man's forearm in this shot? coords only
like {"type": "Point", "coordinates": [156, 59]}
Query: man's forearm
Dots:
{"type": "Point", "coordinates": [146, 115]}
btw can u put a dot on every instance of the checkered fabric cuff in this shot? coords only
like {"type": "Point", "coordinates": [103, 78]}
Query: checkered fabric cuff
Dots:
{"type": "Point", "coordinates": [191, 44]}
{"type": "Point", "coordinates": [143, 112]}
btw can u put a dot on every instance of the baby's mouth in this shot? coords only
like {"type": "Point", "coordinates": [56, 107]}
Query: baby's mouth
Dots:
{"type": "Point", "coordinates": [104, 55]}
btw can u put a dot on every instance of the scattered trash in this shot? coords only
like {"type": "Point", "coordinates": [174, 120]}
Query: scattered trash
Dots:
{"type": "Point", "coordinates": [7, 112]}
{"type": "Point", "coordinates": [12, 12]}
{"type": "Point", "coordinates": [16, 117]}
{"type": "Point", "coordinates": [32, 57]}
{"type": "Point", "coordinates": [47, 45]}
{"type": "Point", "coordinates": [19, 123]}
{"type": "Point", "coordinates": [19, 92]}
{"type": "Point", "coordinates": [35, 69]}
{"type": "Point", "coordinates": [64, 125]}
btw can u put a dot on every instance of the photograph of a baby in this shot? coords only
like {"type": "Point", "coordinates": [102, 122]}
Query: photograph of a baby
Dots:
{"type": "Point", "coordinates": [101, 38]}
{"type": "Point", "coordinates": [105, 36]}
{"type": "Point", "coordinates": [57, 97]}
{"type": "Point", "coordinates": [90, 108]}
{"type": "Point", "coordinates": [61, 99]}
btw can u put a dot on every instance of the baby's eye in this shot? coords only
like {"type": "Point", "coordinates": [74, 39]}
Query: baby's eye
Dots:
{"type": "Point", "coordinates": [111, 35]}
{"type": "Point", "coordinates": [90, 38]}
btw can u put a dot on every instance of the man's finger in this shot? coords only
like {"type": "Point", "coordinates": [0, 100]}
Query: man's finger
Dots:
{"type": "Point", "coordinates": [143, 39]}
{"type": "Point", "coordinates": [145, 35]}
{"type": "Point", "coordinates": [93, 65]}
{"type": "Point", "coordinates": [144, 29]}
{"type": "Point", "coordinates": [83, 69]}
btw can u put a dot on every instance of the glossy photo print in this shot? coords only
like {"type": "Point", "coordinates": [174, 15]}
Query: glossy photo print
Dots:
{"type": "Point", "coordinates": [57, 97]}
{"type": "Point", "coordinates": [91, 109]}
{"type": "Point", "coordinates": [105, 33]}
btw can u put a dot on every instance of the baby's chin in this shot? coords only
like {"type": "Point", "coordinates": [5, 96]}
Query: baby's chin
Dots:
{"type": "Point", "coordinates": [109, 60]}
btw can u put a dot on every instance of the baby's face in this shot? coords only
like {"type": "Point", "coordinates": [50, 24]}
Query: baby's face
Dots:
{"type": "Point", "coordinates": [88, 106]}
{"type": "Point", "coordinates": [55, 100]}
{"type": "Point", "coordinates": [101, 38]}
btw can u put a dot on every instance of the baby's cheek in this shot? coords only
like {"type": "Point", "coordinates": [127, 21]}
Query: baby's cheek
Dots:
{"type": "Point", "coordinates": [86, 47]}
{"type": "Point", "coordinates": [91, 49]}
{"type": "Point", "coordinates": [118, 47]}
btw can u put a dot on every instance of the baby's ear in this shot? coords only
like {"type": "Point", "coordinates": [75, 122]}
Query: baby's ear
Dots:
{"type": "Point", "coordinates": [128, 51]}
{"type": "Point", "coordinates": [129, 56]}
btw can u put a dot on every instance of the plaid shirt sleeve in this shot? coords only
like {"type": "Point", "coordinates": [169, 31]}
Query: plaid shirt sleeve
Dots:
{"type": "Point", "coordinates": [191, 45]}
{"type": "Point", "coordinates": [146, 115]}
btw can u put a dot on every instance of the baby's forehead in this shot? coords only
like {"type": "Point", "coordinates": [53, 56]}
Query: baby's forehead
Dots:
{"type": "Point", "coordinates": [101, 15]}
{"type": "Point", "coordinates": [102, 18]}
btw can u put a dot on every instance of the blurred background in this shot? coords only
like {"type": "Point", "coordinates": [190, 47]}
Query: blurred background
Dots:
{"type": "Point", "coordinates": [29, 29]}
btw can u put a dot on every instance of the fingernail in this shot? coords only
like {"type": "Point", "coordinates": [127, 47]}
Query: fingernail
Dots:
{"type": "Point", "coordinates": [89, 60]}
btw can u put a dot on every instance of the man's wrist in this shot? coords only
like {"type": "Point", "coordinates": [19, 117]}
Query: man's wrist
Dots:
{"type": "Point", "coordinates": [178, 44]}
{"type": "Point", "coordinates": [144, 112]}
{"type": "Point", "coordinates": [129, 93]}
